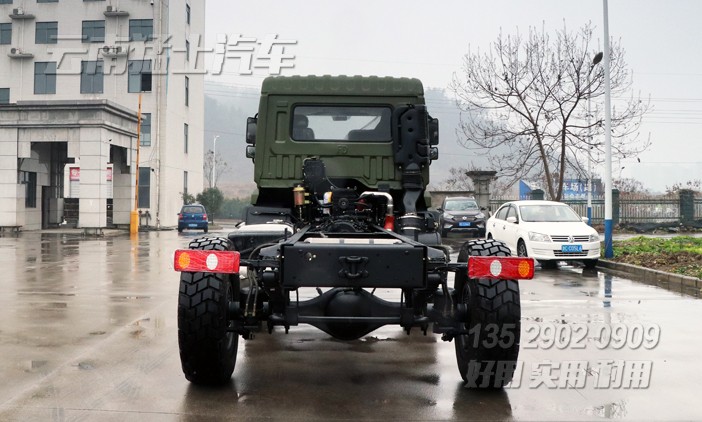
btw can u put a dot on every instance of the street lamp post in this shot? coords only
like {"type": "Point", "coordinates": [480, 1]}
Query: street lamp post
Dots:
{"type": "Point", "coordinates": [609, 252]}
{"type": "Point", "coordinates": [595, 60]}
{"type": "Point", "coordinates": [214, 160]}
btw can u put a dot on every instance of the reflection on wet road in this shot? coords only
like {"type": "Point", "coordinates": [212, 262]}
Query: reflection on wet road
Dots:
{"type": "Point", "coordinates": [89, 333]}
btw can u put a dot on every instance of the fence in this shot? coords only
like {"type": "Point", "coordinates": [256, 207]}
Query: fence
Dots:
{"type": "Point", "coordinates": [682, 207]}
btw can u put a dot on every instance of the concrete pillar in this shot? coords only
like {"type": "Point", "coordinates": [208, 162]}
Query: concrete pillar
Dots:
{"type": "Point", "coordinates": [687, 206]}
{"type": "Point", "coordinates": [615, 206]}
{"type": "Point", "coordinates": [94, 154]}
{"type": "Point", "coordinates": [9, 189]}
{"type": "Point", "coordinates": [537, 194]}
{"type": "Point", "coordinates": [123, 179]}
{"type": "Point", "coordinates": [481, 185]}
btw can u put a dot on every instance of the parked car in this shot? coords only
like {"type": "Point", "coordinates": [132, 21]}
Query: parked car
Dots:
{"type": "Point", "coordinates": [546, 231]}
{"type": "Point", "coordinates": [460, 213]}
{"type": "Point", "coordinates": [193, 216]}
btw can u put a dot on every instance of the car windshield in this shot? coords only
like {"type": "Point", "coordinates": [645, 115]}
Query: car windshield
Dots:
{"type": "Point", "coordinates": [461, 205]}
{"type": "Point", "coordinates": [550, 213]}
{"type": "Point", "coordinates": [193, 210]}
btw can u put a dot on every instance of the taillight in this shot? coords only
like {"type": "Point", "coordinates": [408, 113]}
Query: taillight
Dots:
{"type": "Point", "coordinates": [204, 216]}
{"type": "Point", "coordinates": [180, 216]}
{"type": "Point", "coordinates": [192, 261]}
{"type": "Point", "coordinates": [500, 267]}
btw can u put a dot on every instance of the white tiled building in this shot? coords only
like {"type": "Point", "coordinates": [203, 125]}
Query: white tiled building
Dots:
{"type": "Point", "coordinates": [71, 75]}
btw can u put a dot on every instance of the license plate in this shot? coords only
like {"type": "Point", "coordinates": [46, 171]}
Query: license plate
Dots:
{"type": "Point", "coordinates": [571, 248]}
{"type": "Point", "coordinates": [192, 225]}
{"type": "Point", "coordinates": [464, 224]}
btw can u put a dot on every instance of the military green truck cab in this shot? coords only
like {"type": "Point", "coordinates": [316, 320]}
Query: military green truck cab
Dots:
{"type": "Point", "coordinates": [354, 134]}
{"type": "Point", "coordinates": [341, 166]}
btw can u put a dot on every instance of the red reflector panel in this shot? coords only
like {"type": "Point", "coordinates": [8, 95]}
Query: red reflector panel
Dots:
{"type": "Point", "coordinates": [500, 267]}
{"type": "Point", "coordinates": [192, 261]}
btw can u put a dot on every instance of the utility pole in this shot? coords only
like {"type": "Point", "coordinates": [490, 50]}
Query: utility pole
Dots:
{"type": "Point", "coordinates": [609, 252]}
{"type": "Point", "coordinates": [214, 161]}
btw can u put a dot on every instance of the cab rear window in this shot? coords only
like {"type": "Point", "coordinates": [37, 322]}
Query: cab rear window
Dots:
{"type": "Point", "coordinates": [341, 123]}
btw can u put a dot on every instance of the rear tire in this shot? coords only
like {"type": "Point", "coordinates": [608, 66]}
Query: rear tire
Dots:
{"type": "Point", "coordinates": [207, 345]}
{"type": "Point", "coordinates": [205, 229]}
{"type": "Point", "coordinates": [487, 355]}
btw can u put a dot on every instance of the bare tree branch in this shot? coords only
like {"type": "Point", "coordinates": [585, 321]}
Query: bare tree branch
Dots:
{"type": "Point", "coordinates": [524, 105]}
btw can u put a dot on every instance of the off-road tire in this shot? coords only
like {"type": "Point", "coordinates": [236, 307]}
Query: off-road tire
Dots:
{"type": "Point", "coordinates": [207, 346]}
{"type": "Point", "coordinates": [493, 313]}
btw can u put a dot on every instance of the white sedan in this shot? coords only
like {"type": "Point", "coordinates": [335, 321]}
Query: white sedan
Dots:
{"type": "Point", "coordinates": [546, 231]}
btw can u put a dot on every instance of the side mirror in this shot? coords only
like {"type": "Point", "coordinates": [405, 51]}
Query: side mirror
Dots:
{"type": "Point", "coordinates": [433, 153]}
{"type": "Point", "coordinates": [250, 151]}
{"type": "Point", "coordinates": [585, 220]}
{"type": "Point", "coordinates": [251, 124]}
{"type": "Point", "coordinates": [433, 129]}
{"type": "Point", "coordinates": [440, 209]}
{"type": "Point", "coordinates": [483, 209]}
{"type": "Point", "coordinates": [512, 219]}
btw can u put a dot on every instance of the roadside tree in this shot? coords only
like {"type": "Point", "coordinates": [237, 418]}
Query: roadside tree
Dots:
{"type": "Point", "coordinates": [525, 105]}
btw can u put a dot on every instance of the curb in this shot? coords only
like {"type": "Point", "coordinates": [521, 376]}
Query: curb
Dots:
{"type": "Point", "coordinates": [669, 281]}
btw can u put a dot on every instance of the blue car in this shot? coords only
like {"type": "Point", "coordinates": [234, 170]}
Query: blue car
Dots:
{"type": "Point", "coordinates": [192, 216]}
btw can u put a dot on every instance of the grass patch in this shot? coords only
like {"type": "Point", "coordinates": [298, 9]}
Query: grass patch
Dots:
{"type": "Point", "coordinates": [679, 255]}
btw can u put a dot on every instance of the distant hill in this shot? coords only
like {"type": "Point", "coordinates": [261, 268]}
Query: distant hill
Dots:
{"type": "Point", "coordinates": [228, 106]}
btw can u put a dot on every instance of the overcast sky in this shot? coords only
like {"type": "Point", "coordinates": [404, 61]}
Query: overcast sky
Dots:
{"type": "Point", "coordinates": [428, 40]}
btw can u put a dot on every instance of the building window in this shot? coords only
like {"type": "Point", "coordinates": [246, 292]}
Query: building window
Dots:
{"type": "Point", "coordinates": [46, 33]}
{"type": "Point", "coordinates": [185, 137]}
{"type": "Point", "coordinates": [29, 180]}
{"type": "Point", "coordinates": [5, 96]}
{"type": "Point", "coordinates": [141, 29]}
{"type": "Point", "coordinates": [45, 78]}
{"type": "Point", "coordinates": [144, 187]}
{"type": "Point", "coordinates": [47, 1]}
{"type": "Point", "coordinates": [185, 183]}
{"type": "Point", "coordinates": [139, 76]}
{"type": "Point", "coordinates": [91, 77]}
{"type": "Point", "coordinates": [187, 14]}
{"type": "Point", "coordinates": [93, 31]}
{"type": "Point", "coordinates": [145, 135]}
{"type": "Point", "coordinates": [5, 1]}
{"type": "Point", "coordinates": [187, 91]}
{"type": "Point", "coordinates": [5, 33]}
{"type": "Point", "coordinates": [187, 50]}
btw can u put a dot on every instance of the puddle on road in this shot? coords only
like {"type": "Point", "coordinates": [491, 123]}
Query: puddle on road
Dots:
{"type": "Point", "coordinates": [126, 298]}
{"type": "Point", "coordinates": [374, 339]}
{"type": "Point", "coordinates": [33, 365]}
{"type": "Point", "coordinates": [86, 366]}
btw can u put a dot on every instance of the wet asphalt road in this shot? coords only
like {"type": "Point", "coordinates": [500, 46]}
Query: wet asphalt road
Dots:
{"type": "Point", "coordinates": [88, 332]}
